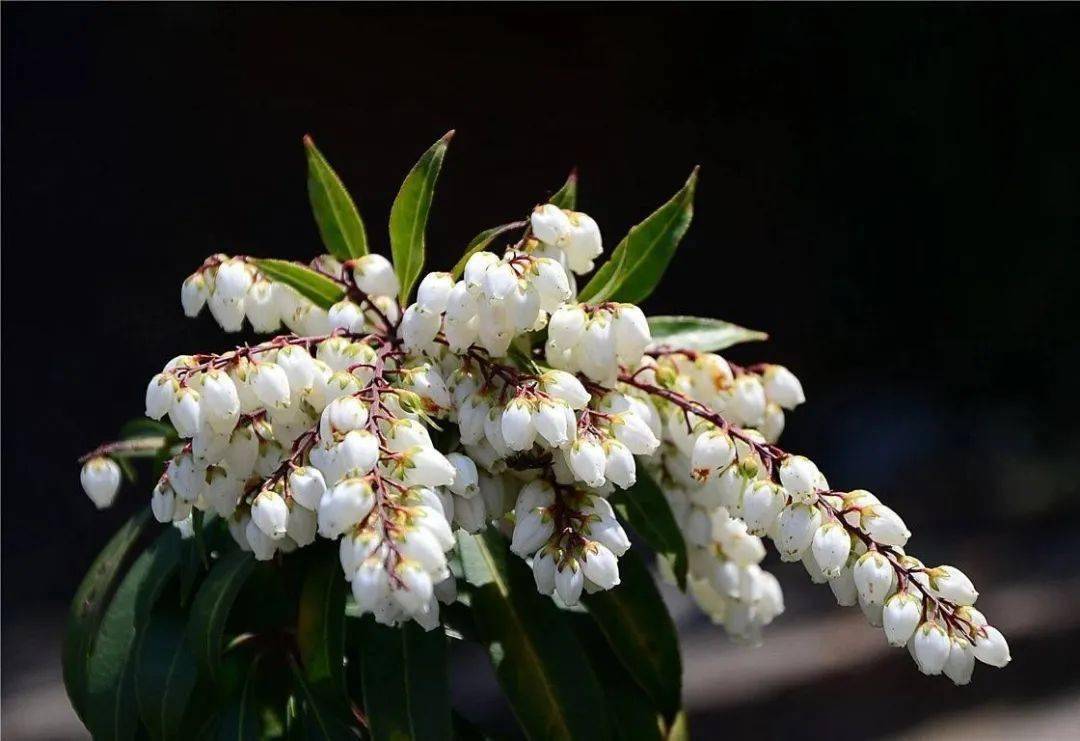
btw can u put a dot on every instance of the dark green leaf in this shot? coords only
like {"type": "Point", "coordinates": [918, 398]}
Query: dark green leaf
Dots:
{"type": "Point", "coordinates": [240, 720]}
{"type": "Point", "coordinates": [323, 717]}
{"type": "Point", "coordinates": [321, 622]}
{"type": "Point", "coordinates": [165, 674]}
{"type": "Point", "coordinates": [409, 215]}
{"type": "Point", "coordinates": [612, 278]}
{"type": "Point", "coordinates": [533, 649]}
{"type": "Point", "coordinates": [481, 242]}
{"type": "Point", "coordinates": [644, 509]}
{"type": "Point", "coordinates": [632, 713]}
{"type": "Point", "coordinates": [566, 196]}
{"type": "Point", "coordinates": [649, 247]}
{"type": "Point", "coordinates": [210, 610]}
{"type": "Point", "coordinates": [406, 686]}
{"type": "Point", "coordinates": [641, 634]}
{"type": "Point", "coordinates": [111, 703]}
{"type": "Point", "coordinates": [339, 222]}
{"type": "Point", "coordinates": [316, 287]}
{"type": "Point", "coordinates": [89, 604]}
{"type": "Point", "coordinates": [697, 333]}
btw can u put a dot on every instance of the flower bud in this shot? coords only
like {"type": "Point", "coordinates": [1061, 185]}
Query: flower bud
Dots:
{"type": "Point", "coordinates": [433, 292]}
{"type": "Point", "coordinates": [901, 615]}
{"type": "Point", "coordinates": [952, 584]}
{"type": "Point", "coordinates": [930, 646]}
{"type": "Point", "coordinates": [991, 648]}
{"type": "Point", "coordinates": [782, 387]}
{"type": "Point", "coordinates": [271, 385]}
{"type": "Point", "coordinates": [619, 466]}
{"type": "Point", "coordinates": [795, 530]}
{"type": "Point", "coordinates": [193, 294]}
{"type": "Point", "coordinates": [159, 395]}
{"type": "Point", "coordinates": [550, 224]}
{"type": "Point", "coordinates": [375, 276]}
{"type": "Point", "coordinates": [100, 478]}
{"type": "Point", "coordinates": [343, 506]}
{"type": "Point", "coordinates": [569, 581]}
{"type": "Point", "coordinates": [466, 482]}
{"type": "Point", "coordinates": [874, 577]}
{"type": "Point", "coordinates": [831, 547]}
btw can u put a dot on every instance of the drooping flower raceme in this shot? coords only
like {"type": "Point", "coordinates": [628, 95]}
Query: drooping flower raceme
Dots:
{"type": "Point", "coordinates": [547, 404]}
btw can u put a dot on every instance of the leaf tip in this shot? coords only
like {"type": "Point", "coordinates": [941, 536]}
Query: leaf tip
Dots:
{"type": "Point", "coordinates": [309, 143]}
{"type": "Point", "coordinates": [448, 136]}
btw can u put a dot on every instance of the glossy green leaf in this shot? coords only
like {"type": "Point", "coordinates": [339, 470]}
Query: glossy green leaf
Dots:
{"type": "Point", "coordinates": [111, 705]}
{"type": "Point", "coordinates": [406, 682]}
{"type": "Point", "coordinates": [633, 618]}
{"type": "Point", "coordinates": [339, 222]}
{"type": "Point", "coordinates": [649, 247]}
{"type": "Point", "coordinates": [409, 215]}
{"type": "Point", "coordinates": [165, 674]}
{"type": "Point", "coordinates": [89, 603]}
{"type": "Point", "coordinates": [141, 427]}
{"type": "Point", "coordinates": [210, 609]}
{"type": "Point", "coordinates": [320, 632]}
{"type": "Point", "coordinates": [481, 242]}
{"type": "Point", "coordinates": [612, 279]}
{"type": "Point", "coordinates": [644, 509]}
{"type": "Point", "coordinates": [534, 651]}
{"type": "Point", "coordinates": [632, 714]}
{"type": "Point", "coordinates": [566, 196]}
{"type": "Point", "coordinates": [316, 287]}
{"type": "Point", "coordinates": [321, 716]}
{"type": "Point", "coordinates": [240, 720]}
{"type": "Point", "coordinates": [699, 333]}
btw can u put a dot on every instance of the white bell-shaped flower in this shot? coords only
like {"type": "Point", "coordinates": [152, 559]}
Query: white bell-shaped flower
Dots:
{"type": "Point", "coordinates": [344, 505]}
{"type": "Point", "coordinates": [375, 276]}
{"type": "Point", "coordinates": [193, 294]}
{"type": "Point", "coordinates": [874, 577]}
{"type": "Point", "coordinates": [782, 387]}
{"type": "Point", "coordinates": [831, 547]}
{"type": "Point", "coordinates": [100, 479]}
{"type": "Point", "coordinates": [901, 615]}
{"type": "Point", "coordinates": [991, 648]}
{"type": "Point", "coordinates": [270, 514]}
{"type": "Point", "coordinates": [930, 646]}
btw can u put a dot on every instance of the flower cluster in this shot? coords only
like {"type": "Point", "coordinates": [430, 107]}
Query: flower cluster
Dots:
{"type": "Point", "coordinates": [729, 486]}
{"type": "Point", "coordinates": [551, 404]}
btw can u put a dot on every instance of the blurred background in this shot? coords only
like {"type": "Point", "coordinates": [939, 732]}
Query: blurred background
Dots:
{"type": "Point", "coordinates": [893, 192]}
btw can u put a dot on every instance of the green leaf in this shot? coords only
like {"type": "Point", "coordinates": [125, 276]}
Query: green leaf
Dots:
{"type": "Point", "coordinates": [321, 622]}
{"type": "Point", "coordinates": [644, 509]}
{"type": "Point", "coordinates": [698, 333]}
{"type": "Point", "coordinates": [613, 278]}
{"type": "Point", "coordinates": [111, 703]}
{"type": "Point", "coordinates": [481, 242]}
{"type": "Point", "coordinates": [339, 222]}
{"type": "Point", "coordinates": [409, 215]}
{"type": "Point", "coordinates": [405, 680]}
{"type": "Point", "coordinates": [89, 604]}
{"type": "Point", "coordinates": [632, 713]}
{"type": "Point", "coordinates": [649, 247]}
{"type": "Point", "coordinates": [315, 287]}
{"type": "Point", "coordinates": [210, 609]}
{"type": "Point", "coordinates": [531, 645]}
{"type": "Point", "coordinates": [141, 427]}
{"type": "Point", "coordinates": [640, 631]}
{"type": "Point", "coordinates": [566, 196]}
{"type": "Point", "coordinates": [680, 729]}
{"type": "Point", "coordinates": [323, 717]}
{"type": "Point", "coordinates": [165, 674]}
{"type": "Point", "coordinates": [240, 720]}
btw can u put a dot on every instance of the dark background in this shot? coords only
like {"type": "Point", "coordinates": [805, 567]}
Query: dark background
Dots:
{"type": "Point", "coordinates": [893, 192]}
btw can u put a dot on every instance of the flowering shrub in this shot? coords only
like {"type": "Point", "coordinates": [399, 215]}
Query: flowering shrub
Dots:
{"type": "Point", "coordinates": [393, 467]}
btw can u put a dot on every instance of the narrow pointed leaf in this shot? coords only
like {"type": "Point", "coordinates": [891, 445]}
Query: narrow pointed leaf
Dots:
{"type": "Point", "coordinates": [645, 510]}
{"type": "Point", "coordinates": [566, 196]}
{"type": "Point", "coordinates": [481, 242]}
{"type": "Point", "coordinates": [531, 645]}
{"type": "Point", "coordinates": [89, 604]}
{"type": "Point", "coordinates": [339, 222]}
{"type": "Point", "coordinates": [699, 333]}
{"type": "Point", "coordinates": [320, 630]}
{"type": "Point", "coordinates": [409, 215]}
{"type": "Point", "coordinates": [165, 674]}
{"type": "Point", "coordinates": [240, 719]}
{"type": "Point", "coordinates": [649, 247]}
{"type": "Point", "coordinates": [315, 287]}
{"type": "Point", "coordinates": [112, 710]}
{"type": "Point", "coordinates": [405, 680]}
{"type": "Point", "coordinates": [211, 607]}
{"type": "Point", "coordinates": [640, 632]}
